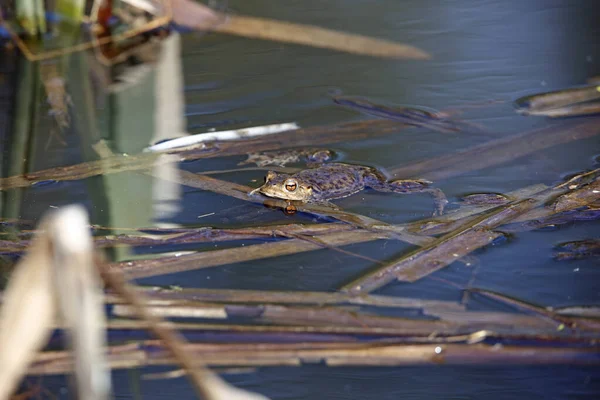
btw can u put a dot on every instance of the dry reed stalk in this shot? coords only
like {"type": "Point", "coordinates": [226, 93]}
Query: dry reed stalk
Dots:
{"type": "Point", "coordinates": [342, 354]}
{"type": "Point", "coordinates": [207, 384]}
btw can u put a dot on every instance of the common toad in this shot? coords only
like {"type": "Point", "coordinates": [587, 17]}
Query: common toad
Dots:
{"type": "Point", "coordinates": [337, 180]}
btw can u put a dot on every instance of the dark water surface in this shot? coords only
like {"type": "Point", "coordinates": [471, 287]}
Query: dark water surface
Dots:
{"type": "Point", "coordinates": [483, 50]}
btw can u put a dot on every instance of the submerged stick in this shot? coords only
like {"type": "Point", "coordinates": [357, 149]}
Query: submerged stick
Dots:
{"type": "Point", "coordinates": [420, 117]}
{"type": "Point", "coordinates": [200, 235]}
{"type": "Point", "coordinates": [548, 313]}
{"type": "Point", "coordinates": [455, 218]}
{"type": "Point", "coordinates": [447, 249]}
{"type": "Point", "coordinates": [171, 264]}
{"type": "Point", "coordinates": [318, 242]}
{"type": "Point", "coordinates": [496, 152]}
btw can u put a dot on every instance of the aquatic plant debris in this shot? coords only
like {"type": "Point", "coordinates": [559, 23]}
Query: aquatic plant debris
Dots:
{"type": "Point", "coordinates": [207, 384]}
{"type": "Point", "coordinates": [445, 250]}
{"type": "Point", "coordinates": [420, 117]}
{"type": "Point", "coordinates": [579, 197]}
{"type": "Point", "coordinates": [561, 103]}
{"type": "Point", "coordinates": [200, 17]}
{"type": "Point", "coordinates": [577, 250]}
{"type": "Point", "coordinates": [498, 151]}
{"type": "Point", "coordinates": [382, 353]}
{"type": "Point", "coordinates": [574, 323]}
{"type": "Point", "coordinates": [236, 134]}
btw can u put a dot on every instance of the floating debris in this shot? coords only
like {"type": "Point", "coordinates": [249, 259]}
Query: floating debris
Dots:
{"type": "Point", "coordinates": [577, 250]}
{"type": "Point", "coordinates": [496, 152]}
{"type": "Point", "coordinates": [235, 134]}
{"type": "Point", "coordinates": [589, 213]}
{"type": "Point", "coordinates": [422, 262]}
{"type": "Point", "coordinates": [561, 103]}
{"type": "Point", "coordinates": [409, 115]}
{"type": "Point", "coordinates": [581, 197]}
{"type": "Point", "coordinates": [579, 311]}
{"type": "Point", "coordinates": [575, 110]}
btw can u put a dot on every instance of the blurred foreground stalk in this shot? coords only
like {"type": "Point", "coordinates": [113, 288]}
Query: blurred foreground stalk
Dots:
{"type": "Point", "coordinates": [56, 280]}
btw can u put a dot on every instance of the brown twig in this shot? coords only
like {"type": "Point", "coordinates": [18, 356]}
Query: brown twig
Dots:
{"type": "Point", "coordinates": [319, 242]}
{"type": "Point", "coordinates": [170, 264]}
{"type": "Point", "coordinates": [297, 297]}
{"type": "Point", "coordinates": [540, 311]}
{"type": "Point", "coordinates": [341, 354]}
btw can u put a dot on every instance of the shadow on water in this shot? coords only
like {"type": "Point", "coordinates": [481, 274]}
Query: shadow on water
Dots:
{"type": "Point", "coordinates": [483, 51]}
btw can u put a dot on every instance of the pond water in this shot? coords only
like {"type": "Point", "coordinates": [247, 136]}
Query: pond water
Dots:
{"type": "Point", "coordinates": [483, 50]}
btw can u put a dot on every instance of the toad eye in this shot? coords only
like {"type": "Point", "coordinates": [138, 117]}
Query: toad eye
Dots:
{"type": "Point", "coordinates": [290, 185]}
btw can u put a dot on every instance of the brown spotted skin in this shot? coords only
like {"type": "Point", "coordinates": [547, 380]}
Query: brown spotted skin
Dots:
{"type": "Point", "coordinates": [337, 180]}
